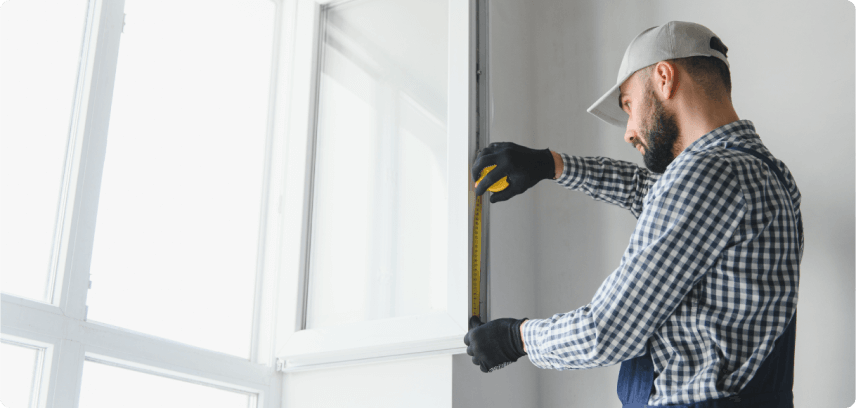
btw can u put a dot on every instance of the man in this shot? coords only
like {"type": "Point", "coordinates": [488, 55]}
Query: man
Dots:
{"type": "Point", "coordinates": [701, 310]}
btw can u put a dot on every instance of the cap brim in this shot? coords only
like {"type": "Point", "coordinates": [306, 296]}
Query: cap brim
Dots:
{"type": "Point", "coordinates": [606, 108]}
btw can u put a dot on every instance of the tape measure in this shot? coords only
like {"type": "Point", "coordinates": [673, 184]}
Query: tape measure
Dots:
{"type": "Point", "coordinates": [477, 238]}
{"type": "Point", "coordinates": [476, 277]}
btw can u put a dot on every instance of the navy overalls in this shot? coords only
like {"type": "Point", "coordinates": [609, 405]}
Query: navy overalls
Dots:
{"type": "Point", "coordinates": [772, 385]}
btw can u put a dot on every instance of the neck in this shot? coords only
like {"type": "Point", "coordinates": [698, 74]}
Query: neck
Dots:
{"type": "Point", "coordinates": [699, 118]}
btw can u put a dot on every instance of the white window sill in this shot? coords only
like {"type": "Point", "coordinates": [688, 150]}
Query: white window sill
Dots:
{"type": "Point", "coordinates": [372, 341]}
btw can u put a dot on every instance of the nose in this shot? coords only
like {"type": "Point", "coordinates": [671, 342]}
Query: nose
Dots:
{"type": "Point", "coordinates": [629, 135]}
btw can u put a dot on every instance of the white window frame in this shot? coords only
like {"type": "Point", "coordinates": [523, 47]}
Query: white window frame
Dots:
{"type": "Point", "coordinates": [59, 326]}
{"type": "Point", "coordinates": [393, 338]}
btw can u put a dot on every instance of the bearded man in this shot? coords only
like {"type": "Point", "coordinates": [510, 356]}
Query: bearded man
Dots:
{"type": "Point", "coordinates": [701, 310]}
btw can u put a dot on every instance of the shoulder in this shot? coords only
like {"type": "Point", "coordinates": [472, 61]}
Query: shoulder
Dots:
{"type": "Point", "coordinates": [700, 174]}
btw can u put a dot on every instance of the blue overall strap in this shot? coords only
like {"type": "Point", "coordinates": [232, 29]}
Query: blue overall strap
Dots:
{"type": "Point", "coordinates": [771, 386]}
{"type": "Point", "coordinates": [763, 158]}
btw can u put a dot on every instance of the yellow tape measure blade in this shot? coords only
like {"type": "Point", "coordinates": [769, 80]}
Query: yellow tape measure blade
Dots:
{"type": "Point", "coordinates": [476, 273]}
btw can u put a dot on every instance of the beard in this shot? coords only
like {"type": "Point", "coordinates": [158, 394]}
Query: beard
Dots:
{"type": "Point", "coordinates": [660, 135]}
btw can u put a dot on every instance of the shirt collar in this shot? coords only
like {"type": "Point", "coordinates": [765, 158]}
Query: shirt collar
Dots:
{"type": "Point", "coordinates": [742, 128]}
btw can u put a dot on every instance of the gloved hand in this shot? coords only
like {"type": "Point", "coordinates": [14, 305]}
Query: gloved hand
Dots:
{"type": "Point", "coordinates": [524, 167]}
{"type": "Point", "coordinates": [496, 344]}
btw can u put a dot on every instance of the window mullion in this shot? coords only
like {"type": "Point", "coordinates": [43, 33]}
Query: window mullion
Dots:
{"type": "Point", "coordinates": [90, 123]}
{"type": "Point", "coordinates": [66, 374]}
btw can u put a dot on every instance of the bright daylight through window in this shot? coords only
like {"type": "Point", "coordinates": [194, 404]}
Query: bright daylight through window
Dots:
{"type": "Point", "coordinates": [19, 375]}
{"type": "Point", "coordinates": [137, 249]}
{"type": "Point", "coordinates": [36, 102]}
{"type": "Point", "coordinates": [178, 219]}
{"type": "Point", "coordinates": [379, 217]}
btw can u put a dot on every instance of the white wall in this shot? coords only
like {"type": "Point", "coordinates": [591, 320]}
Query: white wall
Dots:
{"type": "Point", "coordinates": [792, 65]}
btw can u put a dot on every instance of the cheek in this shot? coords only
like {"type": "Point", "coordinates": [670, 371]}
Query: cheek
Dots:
{"type": "Point", "coordinates": [637, 124]}
{"type": "Point", "coordinates": [642, 128]}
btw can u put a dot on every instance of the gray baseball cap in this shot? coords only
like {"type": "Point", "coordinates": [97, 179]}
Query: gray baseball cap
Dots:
{"type": "Point", "coordinates": [675, 39]}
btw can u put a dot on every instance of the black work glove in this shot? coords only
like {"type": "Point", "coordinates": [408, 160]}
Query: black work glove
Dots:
{"type": "Point", "coordinates": [524, 168]}
{"type": "Point", "coordinates": [496, 344]}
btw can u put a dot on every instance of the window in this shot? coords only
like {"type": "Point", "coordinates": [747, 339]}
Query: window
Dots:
{"type": "Point", "coordinates": [181, 191]}
{"type": "Point", "coordinates": [23, 371]}
{"type": "Point", "coordinates": [151, 183]}
{"type": "Point", "coordinates": [40, 42]}
{"type": "Point", "coordinates": [379, 192]}
{"type": "Point", "coordinates": [382, 266]}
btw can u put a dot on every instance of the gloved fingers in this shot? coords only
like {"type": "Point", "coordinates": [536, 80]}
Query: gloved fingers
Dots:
{"type": "Point", "coordinates": [491, 148]}
{"type": "Point", "coordinates": [481, 162]}
{"type": "Point", "coordinates": [497, 146]}
{"type": "Point", "coordinates": [470, 351]}
{"type": "Point", "coordinates": [484, 367]}
{"type": "Point", "coordinates": [476, 361]}
{"type": "Point", "coordinates": [467, 339]}
{"type": "Point", "coordinates": [488, 181]}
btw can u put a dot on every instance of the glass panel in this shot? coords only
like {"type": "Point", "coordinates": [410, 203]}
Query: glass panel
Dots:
{"type": "Point", "coordinates": [178, 216]}
{"type": "Point", "coordinates": [106, 386]}
{"type": "Point", "coordinates": [20, 367]}
{"type": "Point", "coordinates": [379, 208]}
{"type": "Point", "coordinates": [40, 43]}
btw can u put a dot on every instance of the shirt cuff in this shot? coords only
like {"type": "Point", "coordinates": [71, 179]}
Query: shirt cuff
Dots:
{"type": "Point", "coordinates": [530, 338]}
{"type": "Point", "coordinates": [572, 175]}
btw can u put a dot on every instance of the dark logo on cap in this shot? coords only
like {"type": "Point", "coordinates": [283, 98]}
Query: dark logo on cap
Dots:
{"type": "Point", "coordinates": [716, 44]}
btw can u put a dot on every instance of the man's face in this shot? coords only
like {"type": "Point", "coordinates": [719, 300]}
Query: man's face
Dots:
{"type": "Point", "coordinates": [650, 129]}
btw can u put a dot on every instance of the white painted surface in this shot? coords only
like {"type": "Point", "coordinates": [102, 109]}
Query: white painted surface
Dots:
{"type": "Point", "coordinates": [422, 382]}
{"type": "Point", "coordinates": [792, 66]}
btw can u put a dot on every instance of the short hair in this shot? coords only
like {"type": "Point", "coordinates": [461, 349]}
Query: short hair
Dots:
{"type": "Point", "coordinates": [710, 72]}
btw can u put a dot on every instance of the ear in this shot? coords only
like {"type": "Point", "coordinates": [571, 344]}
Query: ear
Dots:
{"type": "Point", "coordinates": [665, 79]}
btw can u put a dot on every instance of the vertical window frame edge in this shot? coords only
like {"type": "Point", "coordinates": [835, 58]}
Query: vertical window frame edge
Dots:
{"type": "Point", "coordinates": [90, 138]}
{"type": "Point", "coordinates": [262, 341]}
{"type": "Point", "coordinates": [69, 169]}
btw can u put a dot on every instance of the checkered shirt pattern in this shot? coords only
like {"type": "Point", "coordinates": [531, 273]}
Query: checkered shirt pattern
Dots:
{"type": "Point", "coordinates": [709, 279]}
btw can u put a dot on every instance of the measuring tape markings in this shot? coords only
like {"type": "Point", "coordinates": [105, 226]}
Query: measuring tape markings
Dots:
{"type": "Point", "coordinates": [477, 237]}
{"type": "Point", "coordinates": [476, 276]}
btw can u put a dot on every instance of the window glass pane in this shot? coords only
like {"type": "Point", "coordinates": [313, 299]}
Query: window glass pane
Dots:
{"type": "Point", "coordinates": [178, 216]}
{"type": "Point", "coordinates": [19, 370]}
{"type": "Point", "coordinates": [106, 386]}
{"type": "Point", "coordinates": [379, 209]}
{"type": "Point", "coordinates": [40, 44]}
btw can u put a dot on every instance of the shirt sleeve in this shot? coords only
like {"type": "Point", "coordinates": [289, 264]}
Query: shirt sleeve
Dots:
{"type": "Point", "coordinates": [621, 183]}
{"type": "Point", "coordinates": [687, 222]}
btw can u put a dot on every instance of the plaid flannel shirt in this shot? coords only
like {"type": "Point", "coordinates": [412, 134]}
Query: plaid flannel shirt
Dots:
{"type": "Point", "coordinates": [708, 281]}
